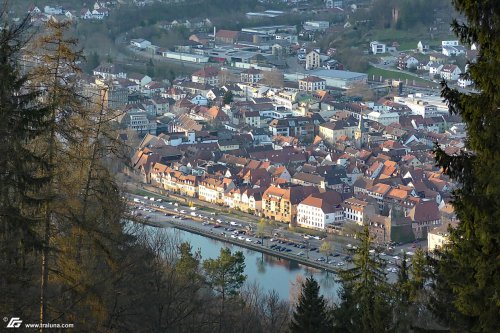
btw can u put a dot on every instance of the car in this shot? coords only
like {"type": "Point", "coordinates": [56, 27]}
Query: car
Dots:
{"type": "Point", "coordinates": [233, 236]}
{"type": "Point", "coordinates": [331, 262]}
{"type": "Point", "coordinates": [347, 258]}
{"type": "Point", "coordinates": [372, 251]}
{"type": "Point", "coordinates": [248, 240]}
{"type": "Point", "coordinates": [316, 238]}
{"type": "Point", "coordinates": [183, 211]}
{"type": "Point", "coordinates": [301, 253]}
{"type": "Point", "coordinates": [336, 254]}
{"type": "Point", "coordinates": [217, 226]}
{"type": "Point", "coordinates": [383, 254]}
{"type": "Point", "coordinates": [283, 249]}
{"type": "Point", "coordinates": [306, 237]}
{"type": "Point", "coordinates": [341, 263]}
{"type": "Point", "coordinates": [272, 240]}
{"type": "Point", "coordinates": [205, 223]}
{"type": "Point", "coordinates": [395, 257]}
{"type": "Point", "coordinates": [241, 238]}
{"type": "Point", "coordinates": [291, 243]}
{"type": "Point", "coordinates": [313, 249]}
{"type": "Point", "coordinates": [257, 242]}
{"type": "Point", "coordinates": [349, 246]}
{"type": "Point", "coordinates": [320, 259]}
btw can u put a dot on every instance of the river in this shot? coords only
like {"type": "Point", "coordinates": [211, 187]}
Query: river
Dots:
{"type": "Point", "coordinates": [268, 271]}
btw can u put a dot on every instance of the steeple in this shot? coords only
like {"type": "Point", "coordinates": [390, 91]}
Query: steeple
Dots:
{"type": "Point", "coordinates": [359, 133]}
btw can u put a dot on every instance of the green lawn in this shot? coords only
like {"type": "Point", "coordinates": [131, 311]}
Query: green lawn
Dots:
{"type": "Point", "coordinates": [395, 75]}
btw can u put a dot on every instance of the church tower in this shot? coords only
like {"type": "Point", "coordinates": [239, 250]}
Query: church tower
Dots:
{"type": "Point", "coordinates": [359, 134]}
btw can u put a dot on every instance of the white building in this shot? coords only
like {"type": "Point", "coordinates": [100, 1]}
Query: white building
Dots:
{"type": "Point", "coordinates": [377, 47]}
{"type": "Point", "coordinates": [450, 72]}
{"type": "Point", "coordinates": [449, 43]}
{"type": "Point", "coordinates": [316, 25]}
{"type": "Point", "coordinates": [312, 83]}
{"type": "Point", "coordinates": [320, 209]}
{"type": "Point", "coordinates": [140, 43]}
{"type": "Point", "coordinates": [355, 210]}
{"type": "Point", "coordinates": [313, 60]}
{"type": "Point", "coordinates": [438, 237]}
{"type": "Point", "coordinates": [384, 118]}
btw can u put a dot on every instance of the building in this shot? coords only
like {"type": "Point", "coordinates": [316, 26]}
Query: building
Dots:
{"type": "Point", "coordinates": [313, 60]}
{"type": "Point", "coordinates": [384, 118]}
{"type": "Point", "coordinates": [319, 210]}
{"type": "Point", "coordinates": [207, 75]}
{"type": "Point", "coordinates": [406, 61]}
{"type": "Point", "coordinates": [226, 36]}
{"type": "Point", "coordinates": [312, 83]}
{"type": "Point", "coordinates": [423, 46]}
{"type": "Point", "coordinates": [316, 25]}
{"type": "Point", "coordinates": [333, 78]}
{"type": "Point", "coordinates": [438, 236]}
{"type": "Point", "coordinates": [251, 75]}
{"type": "Point", "coordinates": [140, 43]}
{"type": "Point", "coordinates": [356, 210]}
{"type": "Point", "coordinates": [377, 48]}
{"type": "Point", "coordinates": [424, 217]}
{"type": "Point", "coordinates": [332, 131]}
{"type": "Point", "coordinates": [450, 72]}
{"type": "Point", "coordinates": [298, 127]}
{"type": "Point", "coordinates": [280, 204]}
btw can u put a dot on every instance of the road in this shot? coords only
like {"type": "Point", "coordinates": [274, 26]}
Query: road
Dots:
{"type": "Point", "coordinates": [279, 242]}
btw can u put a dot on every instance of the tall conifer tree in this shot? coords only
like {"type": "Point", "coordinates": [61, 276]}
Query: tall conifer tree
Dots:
{"type": "Point", "coordinates": [467, 274]}
{"type": "Point", "coordinates": [311, 314]}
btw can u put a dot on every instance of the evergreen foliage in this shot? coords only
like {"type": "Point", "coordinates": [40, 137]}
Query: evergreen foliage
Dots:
{"type": "Point", "coordinates": [311, 314]}
{"type": "Point", "coordinates": [365, 297]}
{"type": "Point", "coordinates": [467, 273]}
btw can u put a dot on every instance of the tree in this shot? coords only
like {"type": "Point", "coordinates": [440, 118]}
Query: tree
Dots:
{"type": "Point", "coordinates": [326, 248]}
{"type": "Point", "coordinates": [261, 229]}
{"type": "Point", "coordinates": [22, 123]}
{"type": "Point", "coordinates": [228, 97]}
{"type": "Point", "coordinates": [365, 299]}
{"type": "Point", "coordinates": [273, 78]}
{"type": "Point", "coordinates": [311, 314]}
{"type": "Point", "coordinates": [402, 297]}
{"type": "Point", "coordinates": [225, 275]}
{"type": "Point", "coordinates": [467, 272]}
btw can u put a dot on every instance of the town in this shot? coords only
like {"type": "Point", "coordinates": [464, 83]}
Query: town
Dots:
{"type": "Point", "coordinates": [278, 128]}
{"type": "Point", "coordinates": [249, 165]}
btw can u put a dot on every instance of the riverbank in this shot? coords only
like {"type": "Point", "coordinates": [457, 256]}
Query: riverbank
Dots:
{"type": "Point", "coordinates": [248, 245]}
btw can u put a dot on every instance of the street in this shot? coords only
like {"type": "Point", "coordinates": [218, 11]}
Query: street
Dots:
{"type": "Point", "coordinates": [277, 240]}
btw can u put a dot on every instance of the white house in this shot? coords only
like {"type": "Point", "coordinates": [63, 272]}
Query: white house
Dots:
{"type": "Point", "coordinates": [53, 10]}
{"type": "Point", "coordinates": [422, 46]}
{"type": "Point", "coordinates": [453, 50]}
{"type": "Point", "coordinates": [450, 72]}
{"type": "Point", "coordinates": [384, 118]}
{"type": "Point", "coordinates": [313, 60]}
{"type": "Point", "coordinates": [464, 82]}
{"type": "Point", "coordinates": [199, 100]}
{"type": "Point", "coordinates": [449, 43]}
{"type": "Point", "coordinates": [312, 83]}
{"type": "Point", "coordinates": [377, 47]}
{"type": "Point", "coordinates": [320, 209]}
{"type": "Point", "coordinates": [140, 43]}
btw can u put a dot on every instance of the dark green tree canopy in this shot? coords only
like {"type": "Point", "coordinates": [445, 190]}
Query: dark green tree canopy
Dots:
{"type": "Point", "coordinates": [467, 274]}
{"type": "Point", "coordinates": [311, 314]}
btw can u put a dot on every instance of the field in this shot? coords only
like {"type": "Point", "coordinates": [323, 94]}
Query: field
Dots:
{"type": "Point", "coordinates": [386, 74]}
